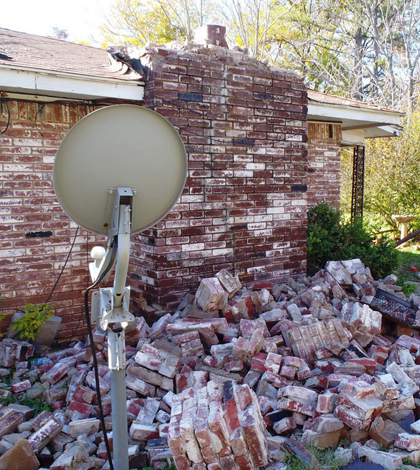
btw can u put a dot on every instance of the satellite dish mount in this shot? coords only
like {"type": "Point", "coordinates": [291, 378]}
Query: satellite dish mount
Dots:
{"type": "Point", "coordinates": [114, 315]}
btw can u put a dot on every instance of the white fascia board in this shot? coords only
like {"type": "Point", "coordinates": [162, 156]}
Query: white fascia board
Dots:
{"type": "Point", "coordinates": [340, 112]}
{"type": "Point", "coordinates": [68, 85]}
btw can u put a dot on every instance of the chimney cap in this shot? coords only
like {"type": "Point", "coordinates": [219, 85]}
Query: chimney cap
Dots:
{"type": "Point", "coordinates": [211, 34]}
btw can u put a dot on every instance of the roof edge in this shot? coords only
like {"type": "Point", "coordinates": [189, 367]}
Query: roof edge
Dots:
{"type": "Point", "coordinates": [63, 85]}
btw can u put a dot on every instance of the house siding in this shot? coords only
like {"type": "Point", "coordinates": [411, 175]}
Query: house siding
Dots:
{"type": "Point", "coordinates": [324, 163]}
{"type": "Point", "coordinates": [35, 233]}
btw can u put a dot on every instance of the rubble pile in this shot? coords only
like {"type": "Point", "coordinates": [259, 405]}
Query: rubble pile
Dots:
{"type": "Point", "coordinates": [217, 425]}
{"type": "Point", "coordinates": [234, 379]}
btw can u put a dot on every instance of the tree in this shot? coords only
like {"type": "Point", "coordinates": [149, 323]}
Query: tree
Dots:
{"type": "Point", "coordinates": [386, 49]}
{"type": "Point", "coordinates": [392, 179]}
{"type": "Point", "coordinates": [159, 21]}
{"type": "Point", "coordinates": [309, 42]}
{"type": "Point", "coordinates": [362, 49]}
{"type": "Point", "coordinates": [252, 24]}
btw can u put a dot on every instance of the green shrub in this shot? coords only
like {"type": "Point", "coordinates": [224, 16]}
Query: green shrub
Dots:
{"type": "Point", "coordinates": [28, 325]}
{"type": "Point", "coordinates": [330, 238]}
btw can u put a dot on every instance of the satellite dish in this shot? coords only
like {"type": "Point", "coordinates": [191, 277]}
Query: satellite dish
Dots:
{"type": "Point", "coordinates": [117, 172]}
{"type": "Point", "coordinates": [120, 146]}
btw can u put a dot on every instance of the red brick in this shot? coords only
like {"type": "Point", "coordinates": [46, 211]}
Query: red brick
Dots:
{"type": "Point", "coordinates": [218, 427]}
{"type": "Point", "coordinates": [9, 422]}
{"type": "Point", "coordinates": [409, 442]}
{"type": "Point", "coordinates": [84, 395]}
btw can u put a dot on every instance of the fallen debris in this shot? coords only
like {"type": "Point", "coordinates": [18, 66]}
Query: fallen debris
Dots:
{"type": "Point", "coordinates": [234, 379]}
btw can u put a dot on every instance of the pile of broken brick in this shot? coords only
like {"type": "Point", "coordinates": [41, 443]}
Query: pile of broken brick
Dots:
{"type": "Point", "coordinates": [236, 378]}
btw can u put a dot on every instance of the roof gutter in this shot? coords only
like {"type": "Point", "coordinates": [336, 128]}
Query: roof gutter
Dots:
{"type": "Point", "coordinates": [67, 85]}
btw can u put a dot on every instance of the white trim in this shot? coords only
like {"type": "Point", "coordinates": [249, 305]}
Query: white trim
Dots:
{"type": "Point", "coordinates": [68, 85]}
{"type": "Point", "coordinates": [342, 112]}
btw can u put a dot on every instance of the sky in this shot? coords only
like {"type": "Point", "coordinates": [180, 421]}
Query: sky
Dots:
{"type": "Point", "coordinates": [80, 18]}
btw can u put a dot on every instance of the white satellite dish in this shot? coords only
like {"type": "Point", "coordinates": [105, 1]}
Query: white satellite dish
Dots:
{"type": "Point", "coordinates": [120, 146]}
{"type": "Point", "coordinates": [117, 172]}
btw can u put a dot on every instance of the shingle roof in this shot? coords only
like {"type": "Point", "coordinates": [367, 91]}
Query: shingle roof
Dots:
{"type": "Point", "coordinates": [28, 51]}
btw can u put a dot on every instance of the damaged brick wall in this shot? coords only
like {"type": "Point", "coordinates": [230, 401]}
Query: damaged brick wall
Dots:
{"type": "Point", "coordinates": [36, 235]}
{"type": "Point", "coordinates": [244, 204]}
{"type": "Point", "coordinates": [324, 163]}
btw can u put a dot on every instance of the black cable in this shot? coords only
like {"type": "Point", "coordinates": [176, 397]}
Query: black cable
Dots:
{"type": "Point", "coordinates": [4, 100]}
{"type": "Point", "coordinates": [40, 109]}
{"type": "Point", "coordinates": [64, 266]}
{"type": "Point", "coordinates": [92, 346]}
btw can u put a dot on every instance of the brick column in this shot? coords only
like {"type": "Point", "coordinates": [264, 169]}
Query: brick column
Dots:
{"type": "Point", "coordinates": [244, 204]}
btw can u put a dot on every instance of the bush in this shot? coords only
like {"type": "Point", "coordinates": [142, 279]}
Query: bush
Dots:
{"type": "Point", "coordinates": [28, 325]}
{"type": "Point", "coordinates": [330, 238]}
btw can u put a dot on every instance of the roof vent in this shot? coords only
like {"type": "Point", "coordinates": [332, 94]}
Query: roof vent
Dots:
{"type": "Point", "coordinates": [211, 34]}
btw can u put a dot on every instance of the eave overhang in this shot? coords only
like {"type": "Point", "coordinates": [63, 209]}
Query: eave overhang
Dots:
{"type": "Point", "coordinates": [44, 85]}
{"type": "Point", "coordinates": [365, 122]}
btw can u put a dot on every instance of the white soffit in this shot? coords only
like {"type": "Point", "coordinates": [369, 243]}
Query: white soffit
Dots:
{"type": "Point", "coordinates": [68, 86]}
{"type": "Point", "coordinates": [355, 137]}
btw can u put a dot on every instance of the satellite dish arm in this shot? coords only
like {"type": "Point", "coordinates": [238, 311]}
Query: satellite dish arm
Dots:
{"type": "Point", "coordinates": [123, 254]}
{"type": "Point", "coordinates": [118, 240]}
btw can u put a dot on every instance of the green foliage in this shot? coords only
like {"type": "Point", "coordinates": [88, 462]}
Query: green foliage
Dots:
{"type": "Point", "coordinates": [134, 22]}
{"type": "Point", "coordinates": [326, 458]}
{"type": "Point", "coordinates": [381, 258]}
{"type": "Point", "coordinates": [168, 467]}
{"type": "Point", "coordinates": [410, 463]}
{"type": "Point", "coordinates": [35, 315]}
{"type": "Point", "coordinates": [392, 179]}
{"type": "Point", "coordinates": [407, 288]}
{"type": "Point", "coordinates": [330, 238]}
{"type": "Point", "coordinates": [7, 379]}
{"type": "Point", "coordinates": [37, 404]}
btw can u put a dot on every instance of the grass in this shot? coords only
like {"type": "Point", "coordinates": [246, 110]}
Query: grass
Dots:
{"type": "Point", "coordinates": [326, 458]}
{"type": "Point", "coordinates": [37, 404]}
{"type": "Point", "coordinates": [408, 257]}
{"type": "Point", "coordinates": [410, 463]}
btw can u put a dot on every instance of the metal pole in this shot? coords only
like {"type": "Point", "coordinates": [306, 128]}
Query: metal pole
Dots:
{"type": "Point", "coordinates": [118, 403]}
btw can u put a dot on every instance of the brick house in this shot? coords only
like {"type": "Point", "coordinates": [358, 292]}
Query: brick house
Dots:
{"type": "Point", "coordinates": [261, 149]}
